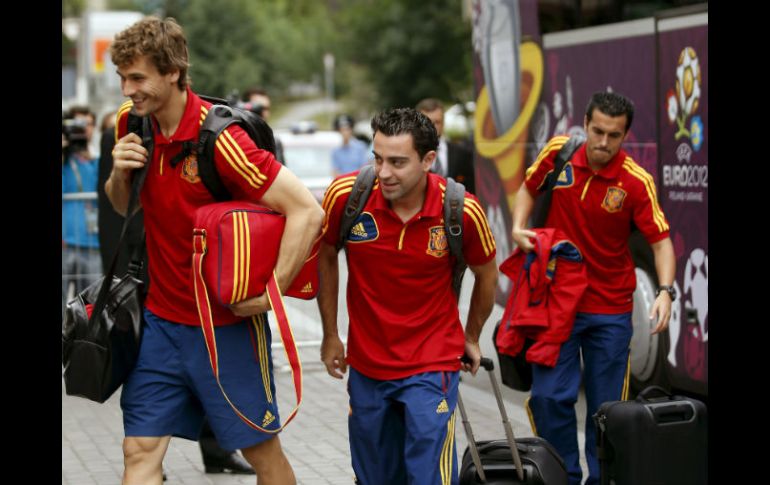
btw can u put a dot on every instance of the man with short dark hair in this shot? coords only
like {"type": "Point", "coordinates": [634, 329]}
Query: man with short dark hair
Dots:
{"type": "Point", "coordinates": [405, 337]}
{"type": "Point", "coordinates": [452, 159]}
{"type": "Point", "coordinates": [173, 384]}
{"type": "Point", "coordinates": [352, 155]}
{"type": "Point", "coordinates": [598, 196]}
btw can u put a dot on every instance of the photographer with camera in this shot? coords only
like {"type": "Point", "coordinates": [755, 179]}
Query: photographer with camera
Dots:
{"type": "Point", "coordinates": [257, 101]}
{"type": "Point", "coordinates": [81, 264]}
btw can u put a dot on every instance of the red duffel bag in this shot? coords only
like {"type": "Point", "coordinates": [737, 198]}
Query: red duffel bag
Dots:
{"type": "Point", "coordinates": [235, 249]}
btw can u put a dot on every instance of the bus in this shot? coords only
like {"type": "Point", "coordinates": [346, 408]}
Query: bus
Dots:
{"type": "Point", "coordinates": [531, 86]}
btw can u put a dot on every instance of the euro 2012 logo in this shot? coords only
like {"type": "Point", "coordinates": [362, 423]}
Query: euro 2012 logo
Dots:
{"type": "Point", "coordinates": [682, 101]}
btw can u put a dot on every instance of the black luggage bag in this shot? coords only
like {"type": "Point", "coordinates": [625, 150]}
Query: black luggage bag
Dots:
{"type": "Point", "coordinates": [653, 441]}
{"type": "Point", "coordinates": [532, 461]}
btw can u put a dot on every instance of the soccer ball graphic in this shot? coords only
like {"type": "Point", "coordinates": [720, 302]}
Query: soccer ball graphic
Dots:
{"type": "Point", "coordinates": [688, 81]}
{"type": "Point", "coordinates": [696, 283]}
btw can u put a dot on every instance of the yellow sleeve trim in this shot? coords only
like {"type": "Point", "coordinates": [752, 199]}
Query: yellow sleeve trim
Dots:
{"type": "Point", "coordinates": [554, 144]}
{"type": "Point", "coordinates": [122, 111]}
{"type": "Point", "coordinates": [642, 175]}
{"type": "Point", "coordinates": [474, 211]}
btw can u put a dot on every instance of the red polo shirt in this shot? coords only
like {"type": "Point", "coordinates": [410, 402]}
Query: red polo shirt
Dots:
{"type": "Point", "coordinates": [403, 312]}
{"type": "Point", "coordinates": [595, 210]}
{"type": "Point", "coordinates": [170, 197]}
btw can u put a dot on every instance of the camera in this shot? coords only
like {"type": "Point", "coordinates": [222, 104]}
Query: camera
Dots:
{"type": "Point", "coordinates": [74, 131]}
{"type": "Point", "coordinates": [255, 108]}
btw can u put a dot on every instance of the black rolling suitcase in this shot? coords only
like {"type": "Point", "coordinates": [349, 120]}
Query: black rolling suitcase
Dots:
{"type": "Point", "coordinates": [532, 461]}
{"type": "Point", "coordinates": [653, 441]}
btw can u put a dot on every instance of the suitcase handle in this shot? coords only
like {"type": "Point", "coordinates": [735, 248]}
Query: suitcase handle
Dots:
{"type": "Point", "coordinates": [644, 395]}
{"type": "Point", "coordinates": [487, 364]}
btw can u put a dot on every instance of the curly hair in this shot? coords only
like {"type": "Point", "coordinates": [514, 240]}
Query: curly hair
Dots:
{"type": "Point", "coordinates": [162, 41]}
{"type": "Point", "coordinates": [399, 121]}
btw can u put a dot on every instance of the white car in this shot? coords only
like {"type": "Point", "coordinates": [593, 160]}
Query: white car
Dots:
{"type": "Point", "coordinates": [309, 156]}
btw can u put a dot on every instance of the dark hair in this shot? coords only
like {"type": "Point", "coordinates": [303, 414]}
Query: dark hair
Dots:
{"type": "Point", "coordinates": [343, 120]}
{"type": "Point", "coordinates": [611, 104]}
{"type": "Point", "coordinates": [80, 110]}
{"type": "Point", "coordinates": [399, 121]}
{"type": "Point", "coordinates": [162, 41]}
{"type": "Point", "coordinates": [254, 91]}
{"type": "Point", "coordinates": [429, 104]}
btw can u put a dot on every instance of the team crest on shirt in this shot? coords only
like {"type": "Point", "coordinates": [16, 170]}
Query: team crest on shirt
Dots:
{"type": "Point", "coordinates": [364, 229]}
{"type": "Point", "coordinates": [190, 169]}
{"type": "Point", "coordinates": [613, 201]}
{"type": "Point", "coordinates": [437, 242]}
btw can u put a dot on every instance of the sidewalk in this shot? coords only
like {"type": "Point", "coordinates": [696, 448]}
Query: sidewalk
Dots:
{"type": "Point", "coordinates": [316, 442]}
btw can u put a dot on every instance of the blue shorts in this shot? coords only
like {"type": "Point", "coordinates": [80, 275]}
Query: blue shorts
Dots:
{"type": "Point", "coordinates": [172, 386]}
{"type": "Point", "coordinates": [402, 431]}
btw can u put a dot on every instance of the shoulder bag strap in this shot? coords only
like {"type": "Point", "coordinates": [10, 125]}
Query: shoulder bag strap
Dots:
{"type": "Point", "coordinates": [207, 325]}
{"type": "Point", "coordinates": [362, 188]}
{"type": "Point", "coordinates": [566, 152]}
{"type": "Point", "coordinates": [133, 204]}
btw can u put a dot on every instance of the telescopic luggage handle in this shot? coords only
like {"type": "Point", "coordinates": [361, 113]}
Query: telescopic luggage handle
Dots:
{"type": "Point", "coordinates": [487, 364]}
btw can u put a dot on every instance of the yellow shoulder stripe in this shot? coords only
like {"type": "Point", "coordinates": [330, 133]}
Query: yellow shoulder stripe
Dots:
{"type": "Point", "coordinates": [554, 144]}
{"type": "Point", "coordinates": [122, 111]}
{"type": "Point", "coordinates": [245, 162]}
{"type": "Point", "coordinates": [476, 214]}
{"type": "Point", "coordinates": [328, 208]}
{"type": "Point", "coordinates": [639, 173]}
{"type": "Point", "coordinates": [332, 192]}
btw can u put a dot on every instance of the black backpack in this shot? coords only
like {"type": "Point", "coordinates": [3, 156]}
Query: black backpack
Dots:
{"type": "Point", "coordinates": [219, 117]}
{"type": "Point", "coordinates": [454, 202]}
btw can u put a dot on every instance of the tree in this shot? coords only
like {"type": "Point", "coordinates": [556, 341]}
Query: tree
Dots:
{"type": "Point", "coordinates": [412, 49]}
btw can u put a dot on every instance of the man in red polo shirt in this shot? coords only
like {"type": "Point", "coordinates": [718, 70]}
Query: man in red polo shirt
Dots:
{"type": "Point", "coordinates": [172, 384]}
{"type": "Point", "coordinates": [405, 337]}
{"type": "Point", "coordinates": [599, 194]}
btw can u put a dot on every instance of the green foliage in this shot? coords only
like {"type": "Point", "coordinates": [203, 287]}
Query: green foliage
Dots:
{"type": "Point", "coordinates": [413, 49]}
{"type": "Point", "coordinates": [68, 51]}
{"type": "Point", "coordinates": [387, 52]}
{"type": "Point", "coordinates": [72, 8]}
{"type": "Point", "coordinates": [235, 44]}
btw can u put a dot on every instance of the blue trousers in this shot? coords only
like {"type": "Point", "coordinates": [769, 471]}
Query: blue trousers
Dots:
{"type": "Point", "coordinates": [603, 341]}
{"type": "Point", "coordinates": [402, 430]}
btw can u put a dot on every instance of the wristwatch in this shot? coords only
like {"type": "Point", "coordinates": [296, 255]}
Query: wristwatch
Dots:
{"type": "Point", "coordinates": [670, 289]}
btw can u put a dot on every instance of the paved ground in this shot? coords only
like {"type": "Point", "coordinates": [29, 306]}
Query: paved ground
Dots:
{"type": "Point", "coordinates": [316, 442]}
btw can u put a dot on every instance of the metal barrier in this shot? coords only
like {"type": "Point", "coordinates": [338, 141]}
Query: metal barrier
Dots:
{"type": "Point", "coordinates": [81, 265]}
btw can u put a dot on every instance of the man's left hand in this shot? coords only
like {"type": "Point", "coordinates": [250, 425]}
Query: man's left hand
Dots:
{"type": "Point", "coordinates": [252, 306]}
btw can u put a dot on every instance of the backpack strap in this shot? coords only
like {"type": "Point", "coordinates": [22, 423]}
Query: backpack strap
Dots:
{"type": "Point", "coordinates": [454, 204]}
{"type": "Point", "coordinates": [564, 155]}
{"type": "Point", "coordinates": [219, 117]}
{"type": "Point", "coordinates": [362, 188]}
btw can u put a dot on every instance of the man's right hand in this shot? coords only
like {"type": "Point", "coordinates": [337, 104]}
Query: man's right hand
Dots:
{"type": "Point", "coordinates": [128, 154]}
{"type": "Point", "coordinates": [333, 356]}
{"type": "Point", "coordinates": [522, 239]}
